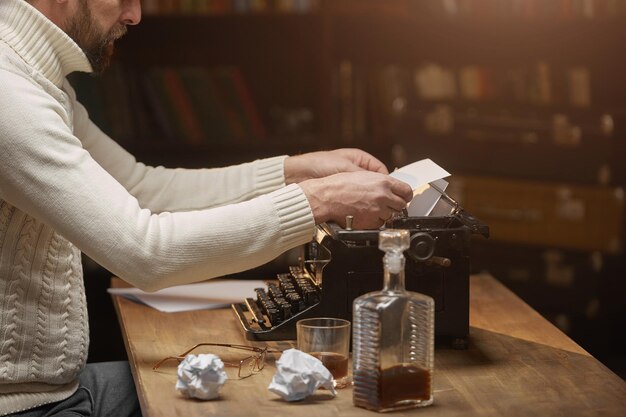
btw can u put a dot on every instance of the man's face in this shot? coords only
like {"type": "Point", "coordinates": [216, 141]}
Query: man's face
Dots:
{"type": "Point", "coordinates": [96, 25]}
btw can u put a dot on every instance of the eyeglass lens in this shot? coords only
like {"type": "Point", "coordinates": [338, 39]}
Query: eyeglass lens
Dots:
{"type": "Point", "coordinates": [247, 367]}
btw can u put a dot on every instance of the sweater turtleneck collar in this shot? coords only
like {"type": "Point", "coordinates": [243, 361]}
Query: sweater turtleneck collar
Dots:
{"type": "Point", "coordinates": [41, 43]}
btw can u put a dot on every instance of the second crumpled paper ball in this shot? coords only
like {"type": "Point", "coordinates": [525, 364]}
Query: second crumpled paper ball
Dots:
{"type": "Point", "coordinates": [201, 376]}
{"type": "Point", "coordinates": [298, 375]}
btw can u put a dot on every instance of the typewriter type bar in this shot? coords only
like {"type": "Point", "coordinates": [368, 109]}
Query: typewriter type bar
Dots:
{"type": "Point", "coordinates": [275, 307]}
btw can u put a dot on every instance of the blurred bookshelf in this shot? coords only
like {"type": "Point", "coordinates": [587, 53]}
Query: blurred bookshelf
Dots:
{"type": "Point", "coordinates": [523, 101]}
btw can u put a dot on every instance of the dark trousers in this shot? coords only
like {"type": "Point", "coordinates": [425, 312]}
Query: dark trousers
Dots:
{"type": "Point", "coordinates": [106, 389]}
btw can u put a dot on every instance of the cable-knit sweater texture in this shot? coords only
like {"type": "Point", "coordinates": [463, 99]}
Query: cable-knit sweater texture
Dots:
{"type": "Point", "coordinates": [66, 187]}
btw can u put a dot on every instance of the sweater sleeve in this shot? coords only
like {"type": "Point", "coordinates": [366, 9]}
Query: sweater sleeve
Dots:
{"type": "Point", "coordinates": [176, 189]}
{"type": "Point", "coordinates": [46, 172]}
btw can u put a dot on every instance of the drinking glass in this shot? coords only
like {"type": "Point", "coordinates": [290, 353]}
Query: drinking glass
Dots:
{"type": "Point", "coordinates": [327, 339]}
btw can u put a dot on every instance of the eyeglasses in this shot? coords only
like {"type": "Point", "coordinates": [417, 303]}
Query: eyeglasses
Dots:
{"type": "Point", "coordinates": [247, 366]}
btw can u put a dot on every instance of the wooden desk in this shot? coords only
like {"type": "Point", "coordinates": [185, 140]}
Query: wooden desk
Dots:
{"type": "Point", "coordinates": [518, 364]}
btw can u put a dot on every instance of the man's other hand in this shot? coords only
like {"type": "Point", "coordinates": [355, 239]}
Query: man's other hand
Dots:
{"type": "Point", "coordinates": [325, 163]}
{"type": "Point", "coordinates": [370, 197]}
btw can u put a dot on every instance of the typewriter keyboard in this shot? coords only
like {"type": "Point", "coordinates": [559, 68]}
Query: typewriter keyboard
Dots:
{"type": "Point", "coordinates": [290, 294]}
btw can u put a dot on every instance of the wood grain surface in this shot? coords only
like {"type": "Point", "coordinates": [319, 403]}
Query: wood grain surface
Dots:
{"type": "Point", "coordinates": [518, 364]}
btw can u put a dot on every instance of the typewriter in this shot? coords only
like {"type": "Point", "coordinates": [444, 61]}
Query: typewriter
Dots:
{"type": "Point", "coordinates": [340, 264]}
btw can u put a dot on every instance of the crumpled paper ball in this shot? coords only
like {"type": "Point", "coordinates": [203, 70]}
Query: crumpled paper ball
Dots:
{"type": "Point", "coordinates": [298, 375]}
{"type": "Point", "coordinates": [201, 376]}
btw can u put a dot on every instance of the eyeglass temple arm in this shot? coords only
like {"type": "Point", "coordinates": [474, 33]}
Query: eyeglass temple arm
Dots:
{"type": "Point", "coordinates": [162, 361]}
{"type": "Point", "coordinates": [180, 358]}
{"type": "Point", "coordinates": [245, 347]}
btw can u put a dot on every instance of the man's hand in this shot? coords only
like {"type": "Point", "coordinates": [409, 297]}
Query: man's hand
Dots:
{"type": "Point", "coordinates": [371, 197]}
{"type": "Point", "coordinates": [322, 164]}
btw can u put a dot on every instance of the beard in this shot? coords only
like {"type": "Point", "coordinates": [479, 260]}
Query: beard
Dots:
{"type": "Point", "coordinates": [96, 43]}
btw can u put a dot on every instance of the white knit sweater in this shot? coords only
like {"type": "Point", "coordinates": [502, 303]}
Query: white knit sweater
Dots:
{"type": "Point", "coordinates": [66, 187]}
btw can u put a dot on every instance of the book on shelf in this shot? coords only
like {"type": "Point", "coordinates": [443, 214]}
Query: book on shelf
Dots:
{"type": "Point", "coordinates": [346, 105]}
{"type": "Point", "coordinates": [562, 10]}
{"type": "Point", "coordinates": [206, 103]}
{"type": "Point", "coordinates": [370, 7]}
{"type": "Point", "coordinates": [372, 101]}
{"type": "Point", "coordinates": [536, 84]}
{"type": "Point", "coordinates": [161, 127]}
{"type": "Point", "coordinates": [183, 108]}
{"type": "Point", "coordinates": [163, 107]}
{"type": "Point", "coordinates": [369, 100]}
{"type": "Point", "coordinates": [360, 103]}
{"type": "Point", "coordinates": [144, 123]}
{"type": "Point", "coordinates": [435, 82]}
{"type": "Point", "coordinates": [250, 111]}
{"type": "Point", "coordinates": [195, 105]}
{"type": "Point", "coordinates": [216, 7]}
{"type": "Point", "coordinates": [579, 86]}
{"type": "Point", "coordinates": [526, 9]}
{"type": "Point", "coordinates": [231, 104]}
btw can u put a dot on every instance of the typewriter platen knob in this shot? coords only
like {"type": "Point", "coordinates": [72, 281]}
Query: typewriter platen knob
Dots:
{"type": "Point", "coordinates": [422, 247]}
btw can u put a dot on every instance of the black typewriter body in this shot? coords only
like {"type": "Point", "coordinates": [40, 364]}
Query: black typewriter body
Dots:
{"type": "Point", "coordinates": [339, 265]}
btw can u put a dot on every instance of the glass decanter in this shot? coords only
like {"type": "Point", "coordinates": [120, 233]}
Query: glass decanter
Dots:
{"type": "Point", "coordinates": [393, 337]}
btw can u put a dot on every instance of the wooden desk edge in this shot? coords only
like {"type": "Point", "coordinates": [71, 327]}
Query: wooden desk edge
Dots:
{"type": "Point", "coordinates": [132, 359]}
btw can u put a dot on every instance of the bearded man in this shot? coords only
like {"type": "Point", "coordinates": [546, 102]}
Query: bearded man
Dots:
{"type": "Point", "coordinates": [66, 187]}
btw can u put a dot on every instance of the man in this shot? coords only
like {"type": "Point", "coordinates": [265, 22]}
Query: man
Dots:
{"type": "Point", "coordinates": [65, 187]}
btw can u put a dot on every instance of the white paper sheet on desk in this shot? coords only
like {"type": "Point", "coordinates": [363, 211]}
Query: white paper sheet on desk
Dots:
{"type": "Point", "coordinates": [216, 293]}
{"type": "Point", "coordinates": [418, 175]}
